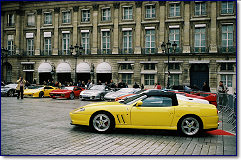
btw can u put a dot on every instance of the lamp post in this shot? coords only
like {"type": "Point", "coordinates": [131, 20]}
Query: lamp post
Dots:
{"type": "Point", "coordinates": [78, 51]}
{"type": "Point", "coordinates": [165, 48]}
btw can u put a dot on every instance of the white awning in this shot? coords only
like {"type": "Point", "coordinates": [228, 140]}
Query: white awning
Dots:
{"type": "Point", "coordinates": [103, 68]}
{"type": "Point", "coordinates": [44, 68]}
{"type": "Point", "coordinates": [63, 68]}
{"type": "Point", "coordinates": [83, 68]}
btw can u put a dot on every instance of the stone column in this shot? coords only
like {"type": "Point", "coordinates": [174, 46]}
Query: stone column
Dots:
{"type": "Point", "coordinates": [95, 29]}
{"type": "Point", "coordinates": [213, 67]}
{"type": "Point", "coordinates": [138, 27]}
{"type": "Point", "coordinates": [186, 33]}
{"type": "Point", "coordinates": [116, 30]}
{"type": "Point", "coordinates": [161, 25]}
{"type": "Point", "coordinates": [38, 37]}
{"type": "Point", "coordinates": [213, 29]}
{"type": "Point", "coordinates": [56, 31]}
{"type": "Point", "coordinates": [75, 26]}
{"type": "Point", "coordinates": [18, 31]}
{"type": "Point", "coordinates": [2, 25]}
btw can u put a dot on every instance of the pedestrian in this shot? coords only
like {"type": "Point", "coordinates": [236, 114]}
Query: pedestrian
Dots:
{"type": "Point", "coordinates": [59, 85]}
{"type": "Point", "coordinates": [142, 86]}
{"type": "Point", "coordinates": [20, 87]}
{"type": "Point", "coordinates": [99, 83]}
{"type": "Point", "coordinates": [88, 83]}
{"type": "Point", "coordinates": [112, 84]}
{"type": "Point", "coordinates": [158, 86]}
{"type": "Point", "coordinates": [82, 84]}
{"type": "Point", "coordinates": [121, 84]}
{"type": "Point", "coordinates": [45, 83]}
{"type": "Point", "coordinates": [126, 84]}
{"type": "Point", "coordinates": [205, 87]}
{"type": "Point", "coordinates": [222, 94]}
{"type": "Point", "coordinates": [136, 85]}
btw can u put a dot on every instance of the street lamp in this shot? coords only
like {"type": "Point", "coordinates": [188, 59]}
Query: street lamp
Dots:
{"type": "Point", "coordinates": [165, 48]}
{"type": "Point", "coordinates": [78, 51]}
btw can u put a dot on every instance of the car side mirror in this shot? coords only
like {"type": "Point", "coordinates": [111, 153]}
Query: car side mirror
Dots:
{"type": "Point", "coordinates": [139, 103]}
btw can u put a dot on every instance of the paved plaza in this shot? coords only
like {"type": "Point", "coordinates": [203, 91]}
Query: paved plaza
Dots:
{"type": "Point", "coordinates": [42, 127]}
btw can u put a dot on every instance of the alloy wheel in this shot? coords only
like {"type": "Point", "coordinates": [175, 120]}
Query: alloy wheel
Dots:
{"type": "Point", "coordinates": [101, 122]}
{"type": "Point", "coordinates": [190, 126]}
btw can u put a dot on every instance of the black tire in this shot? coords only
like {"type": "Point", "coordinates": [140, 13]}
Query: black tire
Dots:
{"type": "Point", "coordinates": [71, 96]}
{"type": "Point", "coordinates": [102, 122]}
{"type": "Point", "coordinates": [189, 125]}
{"type": "Point", "coordinates": [10, 93]}
{"type": "Point", "coordinates": [41, 94]}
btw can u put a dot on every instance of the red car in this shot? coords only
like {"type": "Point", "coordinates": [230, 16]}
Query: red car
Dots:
{"type": "Point", "coordinates": [211, 97]}
{"type": "Point", "coordinates": [69, 92]}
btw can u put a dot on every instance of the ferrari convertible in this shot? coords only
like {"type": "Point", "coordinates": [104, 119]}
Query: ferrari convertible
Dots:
{"type": "Point", "coordinates": [158, 110]}
{"type": "Point", "coordinates": [69, 92]}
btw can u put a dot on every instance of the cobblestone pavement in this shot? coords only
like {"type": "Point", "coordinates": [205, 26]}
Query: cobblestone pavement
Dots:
{"type": "Point", "coordinates": [42, 127]}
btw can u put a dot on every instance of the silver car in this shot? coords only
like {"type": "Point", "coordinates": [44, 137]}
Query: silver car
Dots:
{"type": "Point", "coordinates": [124, 91]}
{"type": "Point", "coordinates": [9, 90]}
{"type": "Point", "coordinates": [96, 92]}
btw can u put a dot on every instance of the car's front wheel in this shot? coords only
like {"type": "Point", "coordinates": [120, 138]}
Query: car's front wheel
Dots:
{"type": "Point", "coordinates": [102, 122]}
{"type": "Point", "coordinates": [189, 126]}
{"type": "Point", "coordinates": [11, 93]}
{"type": "Point", "coordinates": [41, 94]}
{"type": "Point", "coordinates": [71, 96]}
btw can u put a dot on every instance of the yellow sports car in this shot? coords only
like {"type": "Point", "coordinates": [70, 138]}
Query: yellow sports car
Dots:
{"type": "Point", "coordinates": [38, 91]}
{"type": "Point", "coordinates": [151, 110]}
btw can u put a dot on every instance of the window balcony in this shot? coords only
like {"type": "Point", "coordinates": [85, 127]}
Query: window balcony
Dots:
{"type": "Point", "coordinates": [177, 51]}
{"type": "Point", "coordinates": [86, 52]}
{"type": "Point", "coordinates": [46, 53]}
{"type": "Point", "coordinates": [64, 53]}
{"type": "Point", "coordinates": [28, 53]}
{"type": "Point", "coordinates": [200, 49]}
{"type": "Point", "coordinates": [126, 51]}
{"type": "Point", "coordinates": [104, 51]}
{"type": "Point", "coordinates": [149, 50]}
{"type": "Point", "coordinates": [229, 49]}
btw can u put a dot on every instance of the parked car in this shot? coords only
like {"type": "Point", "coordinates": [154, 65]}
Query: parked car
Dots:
{"type": "Point", "coordinates": [69, 92]}
{"type": "Point", "coordinates": [96, 92]}
{"type": "Point", "coordinates": [129, 95]}
{"type": "Point", "coordinates": [9, 90]}
{"type": "Point", "coordinates": [148, 111]}
{"type": "Point", "coordinates": [111, 96]}
{"type": "Point", "coordinates": [183, 88]}
{"type": "Point", "coordinates": [38, 91]}
{"type": "Point", "coordinates": [210, 97]}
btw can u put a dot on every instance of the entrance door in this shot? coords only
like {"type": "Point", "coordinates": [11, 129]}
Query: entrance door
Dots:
{"type": "Point", "coordinates": [199, 73]}
{"type": "Point", "coordinates": [44, 77]}
{"type": "Point", "coordinates": [64, 77]}
{"type": "Point", "coordinates": [104, 77]}
{"type": "Point", "coordinates": [29, 77]}
{"type": "Point", "coordinates": [83, 77]}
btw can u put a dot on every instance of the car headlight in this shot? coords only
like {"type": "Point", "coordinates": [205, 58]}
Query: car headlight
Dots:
{"type": "Point", "coordinates": [80, 110]}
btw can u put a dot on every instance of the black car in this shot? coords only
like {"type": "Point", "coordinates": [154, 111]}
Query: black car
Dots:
{"type": "Point", "coordinates": [9, 90]}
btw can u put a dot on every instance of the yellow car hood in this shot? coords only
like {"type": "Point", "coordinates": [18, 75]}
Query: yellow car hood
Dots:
{"type": "Point", "coordinates": [102, 104]}
{"type": "Point", "coordinates": [32, 90]}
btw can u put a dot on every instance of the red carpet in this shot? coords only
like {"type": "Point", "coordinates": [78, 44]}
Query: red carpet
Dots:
{"type": "Point", "coordinates": [220, 132]}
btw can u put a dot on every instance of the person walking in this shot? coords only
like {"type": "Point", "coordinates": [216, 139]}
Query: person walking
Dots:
{"type": "Point", "coordinates": [20, 87]}
{"type": "Point", "coordinates": [136, 85]}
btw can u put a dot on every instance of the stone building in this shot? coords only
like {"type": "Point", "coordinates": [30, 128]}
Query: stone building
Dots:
{"type": "Point", "coordinates": [120, 41]}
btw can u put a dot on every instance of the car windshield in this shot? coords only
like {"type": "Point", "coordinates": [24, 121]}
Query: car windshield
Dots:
{"type": "Point", "coordinates": [11, 85]}
{"type": "Point", "coordinates": [69, 88]}
{"type": "Point", "coordinates": [98, 87]}
{"type": "Point", "coordinates": [35, 87]}
{"type": "Point", "coordinates": [133, 99]}
{"type": "Point", "coordinates": [126, 90]}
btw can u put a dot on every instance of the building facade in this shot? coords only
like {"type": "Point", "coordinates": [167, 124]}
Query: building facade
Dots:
{"type": "Point", "coordinates": [120, 41]}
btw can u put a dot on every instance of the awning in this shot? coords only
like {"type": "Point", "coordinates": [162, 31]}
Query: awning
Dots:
{"type": "Point", "coordinates": [63, 68]}
{"type": "Point", "coordinates": [44, 68]}
{"type": "Point", "coordinates": [83, 68]}
{"type": "Point", "coordinates": [103, 68]}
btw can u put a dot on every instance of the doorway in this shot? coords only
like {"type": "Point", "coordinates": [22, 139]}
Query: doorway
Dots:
{"type": "Point", "coordinates": [199, 73]}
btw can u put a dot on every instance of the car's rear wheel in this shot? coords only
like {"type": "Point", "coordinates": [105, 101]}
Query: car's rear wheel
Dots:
{"type": "Point", "coordinates": [41, 94]}
{"type": "Point", "coordinates": [11, 93]}
{"type": "Point", "coordinates": [102, 122]}
{"type": "Point", "coordinates": [102, 97]}
{"type": "Point", "coordinates": [71, 96]}
{"type": "Point", "coordinates": [189, 126]}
